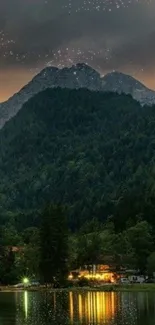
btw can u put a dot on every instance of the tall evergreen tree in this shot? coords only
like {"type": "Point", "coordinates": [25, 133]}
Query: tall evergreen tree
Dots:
{"type": "Point", "coordinates": [53, 244]}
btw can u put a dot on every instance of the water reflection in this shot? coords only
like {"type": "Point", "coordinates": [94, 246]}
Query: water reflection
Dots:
{"type": "Point", "coordinates": [8, 317]}
{"type": "Point", "coordinates": [82, 308]}
{"type": "Point", "coordinates": [26, 303]}
{"type": "Point", "coordinates": [92, 307]}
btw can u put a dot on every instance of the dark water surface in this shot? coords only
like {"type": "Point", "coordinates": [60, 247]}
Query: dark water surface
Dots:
{"type": "Point", "coordinates": [76, 308]}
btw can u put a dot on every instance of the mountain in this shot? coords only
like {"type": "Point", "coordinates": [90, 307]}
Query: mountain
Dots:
{"type": "Point", "coordinates": [78, 76]}
{"type": "Point", "coordinates": [122, 83]}
{"type": "Point", "coordinates": [93, 151]}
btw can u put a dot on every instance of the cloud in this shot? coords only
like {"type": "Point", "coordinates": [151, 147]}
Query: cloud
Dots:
{"type": "Point", "coordinates": [118, 37]}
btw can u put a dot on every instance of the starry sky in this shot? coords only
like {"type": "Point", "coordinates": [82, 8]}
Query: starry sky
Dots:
{"type": "Point", "coordinates": [107, 34]}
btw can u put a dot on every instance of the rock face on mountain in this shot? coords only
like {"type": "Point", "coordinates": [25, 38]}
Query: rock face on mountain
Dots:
{"type": "Point", "coordinates": [122, 83]}
{"type": "Point", "coordinates": [77, 76]}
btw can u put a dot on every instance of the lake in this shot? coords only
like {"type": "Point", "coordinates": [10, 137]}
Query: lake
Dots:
{"type": "Point", "coordinates": [84, 308]}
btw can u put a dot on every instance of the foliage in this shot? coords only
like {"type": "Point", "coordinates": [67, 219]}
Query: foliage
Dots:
{"type": "Point", "coordinates": [140, 237]}
{"type": "Point", "coordinates": [151, 263]}
{"type": "Point", "coordinates": [89, 249]}
{"type": "Point", "coordinates": [31, 236]}
{"type": "Point", "coordinates": [93, 151]}
{"type": "Point", "coordinates": [10, 236]}
{"type": "Point", "coordinates": [72, 251]}
{"type": "Point", "coordinates": [8, 272]}
{"type": "Point", "coordinates": [83, 282]}
{"type": "Point", "coordinates": [129, 249]}
{"type": "Point", "coordinates": [53, 244]}
{"type": "Point", "coordinates": [55, 251]}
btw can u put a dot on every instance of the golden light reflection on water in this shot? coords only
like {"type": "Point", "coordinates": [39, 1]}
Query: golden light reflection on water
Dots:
{"type": "Point", "coordinates": [92, 307]}
{"type": "Point", "coordinates": [79, 307]}
{"type": "Point", "coordinates": [71, 306]}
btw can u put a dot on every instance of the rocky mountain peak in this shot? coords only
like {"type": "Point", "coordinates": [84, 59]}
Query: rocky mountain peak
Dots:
{"type": "Point", "coordinates": [77, 76]}
{"type": "Point", "coordinates": [121, 82]}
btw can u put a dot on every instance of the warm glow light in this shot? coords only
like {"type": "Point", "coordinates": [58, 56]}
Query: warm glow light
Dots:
{"type": "Point", "coordinates": [70, 277]}
{"type": "Point", "coordinates": [71, 306]}
{"type": "Point", "coordinates": [100, 273]}
{"type": "Point", "coordinates": [106, 277]}
{"type": "Point", "coordinates": [113, 302]}
{"type": "Point", "coordinates": [93, 307]}
{"type": "Point", "coordinates": [80, 307]}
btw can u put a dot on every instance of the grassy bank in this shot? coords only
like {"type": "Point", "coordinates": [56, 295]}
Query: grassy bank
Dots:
{"type": "Point", "coordinates": [105, 288]}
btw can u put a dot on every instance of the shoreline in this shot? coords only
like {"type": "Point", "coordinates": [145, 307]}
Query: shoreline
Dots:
{"type": "Point", "coordinates": [105, 288]}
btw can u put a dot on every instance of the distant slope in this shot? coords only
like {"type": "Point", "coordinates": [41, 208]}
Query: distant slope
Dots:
{"type": "Point", "coordinates": [91, 150]}
{"type": "Point", "coordinates": [122, 83]}
{"type": "Point", "coordinates": [78, 76]}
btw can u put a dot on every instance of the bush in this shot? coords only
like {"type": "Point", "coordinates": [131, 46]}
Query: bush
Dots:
{"type": "Point", "coordinates": [83, 282]}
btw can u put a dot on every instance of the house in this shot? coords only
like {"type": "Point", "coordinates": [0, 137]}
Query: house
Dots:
{"type": "Point", "coordinates": [99, 272]}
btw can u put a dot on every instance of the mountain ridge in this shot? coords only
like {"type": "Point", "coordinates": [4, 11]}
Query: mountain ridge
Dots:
{"type": "Point", "coordinates": [75, 77]}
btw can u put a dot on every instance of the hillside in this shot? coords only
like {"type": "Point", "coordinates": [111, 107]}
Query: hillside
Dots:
{"type": "Point", "coordinates": [75, 77]}
{"type": "Point", "coordinates": [94, 151]}
{"type": "Point", "coordinates": [122, 83]}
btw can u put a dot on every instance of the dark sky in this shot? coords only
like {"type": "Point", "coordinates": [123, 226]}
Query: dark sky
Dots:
{"type": "Point", "coordinates": [107, 34]}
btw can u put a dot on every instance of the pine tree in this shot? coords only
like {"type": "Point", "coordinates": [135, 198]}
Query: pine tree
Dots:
{"type": "Point", "coordinates": [53, 244]}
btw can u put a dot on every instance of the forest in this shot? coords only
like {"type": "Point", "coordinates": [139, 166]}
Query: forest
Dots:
{"type": "Point", "coordinates": [50, 251]}
{"type": "Point", "coordinates": [91, 154]}
{"type": "Point", "coordinates": [94, 152]}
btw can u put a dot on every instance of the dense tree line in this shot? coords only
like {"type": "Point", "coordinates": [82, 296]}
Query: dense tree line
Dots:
{"type": "Point", "coordinates": [92, 151]}
{"type": "Point", "coordinates": [40, 253]}
{"type": "Point", "coordinates": [50, 251]}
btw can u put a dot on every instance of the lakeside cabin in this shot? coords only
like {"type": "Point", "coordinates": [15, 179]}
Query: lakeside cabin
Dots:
{"type": "Point", "coordinates": [100, 272]}
{"type": "Point", "coordinates": [107, 274]}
